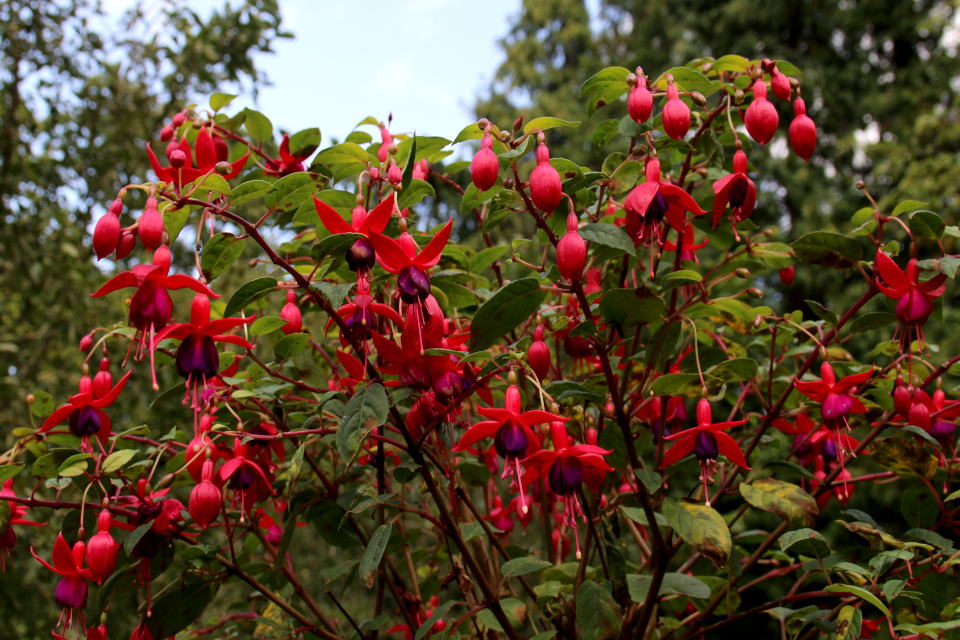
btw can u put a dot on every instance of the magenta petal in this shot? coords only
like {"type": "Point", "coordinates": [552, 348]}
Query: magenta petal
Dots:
{"type": "Point", "coordinates": [836, 405]}
{"type": "Point", "coordinates": [71, 591]}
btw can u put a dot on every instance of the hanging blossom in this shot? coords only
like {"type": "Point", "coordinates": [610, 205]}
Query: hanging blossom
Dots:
{"type": "Point", "coordinates": [72, 589]}
{"type": "Point", "coordinates": [9, 539]}
{"type": "Point", "coordinates": [85, 413]}
{"type": "Point", "coordinates": [206, 157]}
{"type": "Point", "coordinates": [707, 441]}
{"type": "Point", "coordinates": [360, 256]}
{"type": "Point", "coordinates": [914, 298]}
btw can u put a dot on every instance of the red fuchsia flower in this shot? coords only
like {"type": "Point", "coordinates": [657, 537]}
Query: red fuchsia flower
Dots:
{"type": "Point", "coordinates": [485, 167]}
{"type": "Point", "coordinates": [85, 413]}
{"type": "Point", "coordinates": [206, 159]}
{"type": "Point", "coordinates": [361, 256]}
{"type": "Point", "coordinates": [649, 203]}
{"type": "Point", "coordinates": [572, 251]}
{"type": "Point", "coordinates": [106, 235]}
{"type": "Point", "coordinates": [291, 313]}
{"type": "Point", "coordinates": [804, 446]}
{"type": "Point", "coordinates": [246, 478]}
{"type": "Point", "coordinates": [779, 83]}
{"type": "Point", "coordinates": [501, 518]}
{"type": "Point", "coordinates": [150, 225]}
{"type": "Point", "coordinates": [287, 163]}
{"type": "Point", "coordinates": [360, 317]}
{"type": "Point", "coordinates": [787, 275]}
{"type": "Point", "coordinates": [706, 441]}
{"type": "Point", "coordinates": [394, 174]}
{"type": "Point", "coordinates": [676, 114]}
{"type": "Point", "coordinates": [128, 240]}
{"type": "Point", "coordinates": [564, 469]}
{"type": "Point", "coordinates": [355, 373]}
{"type": "Point", "coordinates": [93, 633]}
{"type": "Point", "coordinates": [737, 190]}
{"type": "Point", "coordinates": [640, 101]}
{"type": "Point", "coordinates": [404, 258]}
{"type": "Point", "coordinates": [197, 357]}
{"type": "Point", "coordinates": [538, 355]}
{"type": "Point", "coordinates": [421, 170]}
{"type": "Point", "coordinates": [408, 633]}
{"type": "Point", "coordinates": [914, 298]}
{"type": "Point", "coordinates": [103, 549]}
{"type": "Point", "coordinates": [386, 139]}
{"type": "Point", "coordinates": [71, 591]}
{"type": "Point", "coordinates": [835, 401]}
{"type": "Point", "coordinates": [141, 632]}
{"type": "Point", "coordinates": [902, 397]}
{"type": "Point", "coordinates": [761, 117]}
{"type": "Point", "coordinates": [689, 248]}
{"type": "Point", "coordinates": [944, 423]}
{"type": "Point", "coordinates": [9, 539]}
{"type": "Point", "coordinates": [151, 305]}
{"type": "Point", "coordinates": [594, 278]}
{"type": "Point", "coordinates": [205, 498]}
{"type": "Point", "coordinates": [103, 381]}
{"type": "Point", "coordinates": [513, 437]}
{"type": "Point", "coordinates": [201, 447]}
{"type": "Point", "coordinates": [404, 361]}
{"type": "Point", "coordinates": [546, 189]}
{"type": "Point", "coordinates": [842, 491]}
{"type": "Point", "coordinates": [803, 132]}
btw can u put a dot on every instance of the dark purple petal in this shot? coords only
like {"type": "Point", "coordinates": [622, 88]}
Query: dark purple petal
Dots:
{"type": "Point", "coordinates": [914, 308]}
{"type": "Point", "coordinates": [361, 256]}
{"type": "Point", "coordinates": [511, 440]}
{"type": "Point", "coordinates": [84, 421]}
{"type": "Point", "coordinates": [738, 192]}
{"type": "Point", "coordinates": [198, 355]}
{"type": "Point", "coordinates": [150, 305]}
{"type": "Point", "coordinates": [565, 475]}
{"type": "Point", "coordinates": [71, 591]}
{"type": "Point", "coordinates": [706, 447]}
{"type": "Point", "coordinates": [836, 406]}
{"type": "Point", "coordinates": [414, 284]}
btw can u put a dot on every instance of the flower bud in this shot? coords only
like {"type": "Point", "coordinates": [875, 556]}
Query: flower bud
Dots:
{"type": "Point", "coordinates": [102, 550]}
{"type": "Point", "coordinates": [179, 119]}
{"type": "Point", "coordinates": [86, 342]}
{"type": "Point", "coordinates": [128, 240]}
{"type": "Point", "coordinates": [919, 414]}
{"type": "Point", "coordinates": [743, 273]}
{"type": "Point", "coordinates": [106, 235]}
{"type": "Point", "coordinates": [786, 275]}
{"type": "Point", "coordinates": [538, 355]}
{"type": "Point", "coordinates": [509, 182]}
{"type": "Point", "coordinates": [291, 313]}
{"type": "Point", "coordinates": [738, 96]}
{"type": "Point", "coordinates": [205, 499]}
{"type": "Point", "coordinates": [166, 132]}
{"type": "Point", "coordinates": [485, 166]}
{"type": "Point", "coordinates": [754, 293]}
{"type": "Point", "coordinates": [518, 124]}
{"type": "Point", "coordinates": [103, 381]}
{"type": "Point", "coordinates": [223, 168]}
{"type": "Point", "coordinates": [761, 118]}
{"type": "Point", "coordinates": [676, 114]}
{"type": "Point", "coordinates": [640, 102]}
{"type": "Point", "coordinates": [572, 251]}
{"type": "Point", "coordinates": [504, 137]}
{"type": "Point", "coordinates": [385, 141]}
{"type": "Point", "coordinates": [803, 132]}
{"type": "Point", "coordinates": [780, 84]}
{"type": "Point", "coordinates": [394, 175]}
{"type": "Point", "coordinates": [374, 173]}
{"type": "Point", "coordinates": [698, 98]}
{"type": "Point", "coordinates": [546, 189]}
{"type": "Point", "coordinates": [177, 158]}
{"type": "Point", "coordinates": [151, 225]}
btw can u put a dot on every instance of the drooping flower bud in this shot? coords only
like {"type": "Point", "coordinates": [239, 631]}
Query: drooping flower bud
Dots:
{"type": "Point", "coordinates": [780, 84]}
{"type": "Point", "coordinates": [538, 355]}
{"type": "Point", "coordinates": [291, 313]}
{"type": "Point", "coordinates": [485, 166]}
{"type": "Point", "coordinates": [128, 240]}
{"type": "Point", "coordinates": [103, 381]}
{"type": "Point", "coordinates": [106, 235]}
{"type": "Point", "coordinates": [902, 398]}
{"type": "Point", "coordinates": [179, 118]}
{"type": "Point", "coordinates": [919, 414]}
{"type": "Point", "coordinates": [86, 342]}
{"type": "Point", "coordinates": [102, 549]}
{"type": "Point", "coordinates": [221, 148]}
{"type": "Point", "coordinates": [205, 499]}
{"type": "Point", "coordinates": [166, 132]}
{"type": "Point", "coordinates": [786, 275]}
{"type": "Point", "coordinates": [394, 174]}
{"type": "Point", "coordinates": [151, 225]}
{"type": "Point", "coordinates": [546, 190]}
{"type": "Point", "coordinates": [385, 141]}
{"type": "Point", "coordinates": [803, 132]}
{"type": "Point", "coordinates": [177, 158]}
{"type": "Point", "coordinates": [640, 102]}
{"type": "Point", "coordinates": [761, 117]}
{"type": "Point", "coordinates": [676, 114]}
{"type": "Point", "coordinates": [572, 251]}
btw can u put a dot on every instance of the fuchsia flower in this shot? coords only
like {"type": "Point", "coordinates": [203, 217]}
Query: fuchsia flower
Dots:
{"type": "Point", "coordinates": [640, 101]}
{"type": "Point", "coordinates": [197, 357]}
{"type": "Point", "coordinates": [103, 549]}
{"type": "Point", "coordinates": [836, 403]}
{"type": "Point", "coordinates": [151, 305]}
{"type": "Point", "coordinates": [737, 190]}
{"type": "Point", "coordinates": [246, 478]}
{"type": "Point", "coordinates": [359, 316]}
{"type": "Point", "coordinates": [546, 189]}
{"type": "Point", "coordinates": [706, 441]}
{"type": "Point", "coordinates": [538, 355]}
{"type": "Point", "coordinates": [484, 167]}
{"type": "Point", "coordinates": [71, 591]}
{"type": "Point", "coordinates": [803, 131]}
{"type": "Point", "coordinates": [761, 118]}
{"type": "Point", "coordinates": [361, 256]}
{"type": "Point", "coordinates": [511, 430]}
{"type": "Point", "coordinates": [206, 157]}
{"type": "Point", "coordinates": [85, 413]}
{"type": "Point", "coordinates": [688, 251]}
{"type": "Point", "coordinates": [9, 539]}
{"type": "Point", "coordinates": [649, 203]}
{"type": "Point", "coordinates": [564, 468]}
{"type": "Point", "coordinates": [287, 163]}
{"type": "Point", "coordinates": [572, 251]}
{"type": "Point", "coordinates": [914, 298]}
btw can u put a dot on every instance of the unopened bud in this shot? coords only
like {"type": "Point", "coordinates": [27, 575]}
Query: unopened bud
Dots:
{"type": "Point", "coordinates": [178, 119]}
{"type": "Point", "coordinates": [504, 137]}
{"type": "Point", "coordinates": [197, 124]}
{"type": "Point", "coordinates": [823, 352]}
{"type": "Point", "coordinates": [223, 167]}
{"type": "Point", "coordinates": [704, 392]}
{"type": "Point", "coordinates": [738, 96]}
{"type": "Point", "coordinates": [402, 224]}
{"type": "Point", "coordinates": [757, 321]}
{"type": "Point", "coordinates": [743, 273]}
{"type": "Point", "coordinates": [86, 342]}
{"type": "Point", "coordinates": [753, 292]}
{"type": "Point", "coordinates": [85, 369]}
{"type": "Point", "coordinates": [252, 263]}
{"type": "Point", "coordinates": [794, 83]}
{"type": "Point", "coordinates": [30, 398]}
{"type": "Point", "coordinates": [81, 533]}
{"type": "Point", "coordinates": [167, 480]}
{"type": "Point", "coordinates": [166, 133]}
{"type": "Point", "coordinates": [359, 199]}
{"type": "Point", "coordinates": [859, 184]}
{"type": "Point", "coordinates": [632, 79]}
{"type": "Point", "coordinates": [512, 377]}
{"type": "Point", "coordinates": [518, 123]}
{"type": "Point", "coordinates": [482, 123]}
{"type": "Point", "coordinates": [392, 148]}
{"type": "Point", "coordinates": [177, 159]}
{"type": "Point", "coordinates": [509, 183]}
{"type": "Point", "coordinates": [554, 407]}
{"type": "Point", "coordinates": [698, 98]}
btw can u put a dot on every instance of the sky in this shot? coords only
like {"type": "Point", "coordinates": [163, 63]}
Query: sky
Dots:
{"type": "Point", "coordinates": [422, 60]}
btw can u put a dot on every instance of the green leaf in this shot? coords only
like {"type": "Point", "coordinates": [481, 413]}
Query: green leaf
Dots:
{"type": "Point", "coordinates": [334, 293]}
{"type": "Point", "coordinates": [684, 275]}
{"type": "Point", "coordinates": [730, 63]}
{"type": "Point", "coordinates": [177, 607]}
{"type": "Point", "coordinates": [408, 169]}
{"type": "Point", "coordinates": [863, 594]}
{"type": "Point", "coordinates": [117, 460]}
{"type": "Point", "coordinates": [333, 245]}
{"type": "Point", "coordinates": [305, 142]}
{"type": "Point", "coordinates": [786, 500]}
{"type": "Point", "coordinates": [547, 122]}
{"type": "Point", "coordinates": [687, 79]}
{"type": "Point", "coordinates": [735, 370]}
{"type": "Point", "coordinates": [248, 294]}
{"type": "Point", "coordinates": [523, 566]}
{"type": "Point", "coordinates": [291, 345]}
{"type": "Point", "coordinates": [220, 252]}
{"type": "Point", "coordinates": [365, 411]}
{"type": "Point", "coordinates": [612, 80]}
{"type": "Point", "coordinates": [487, 257]}
{"type": "Point", "coordinates": [250, 191]}
{"type": "Point", "coordinates": [608, 235]}
{"type": "Point", "coordinates": [701, 527]}
{"type": "Point", "coordinates": [258, 125]}
{"type": "Point", "coordinates": [8, 471]}
{"type": "Point", "coordinates": [438, 614]}
{"type": "Point", "coordinates": [265, 325]}
{"type": "Point", "coordinates": [220, 100]}
{"type": "Point", "coordinates": [628, 307]}
{"type": "Point", "coordinates": [871, 321]}
{"type": "Point", "coordinates": [134, 537]}
{"type": "Point", "coordinates": [905, 457]}
{"type": "Point", "coordinates": [48, 464]}
{"type": "Point", "coordinates": [805, 542]}
{"type": "Point", "coordinates": [598, 614]}
{"type": "Point", "coordinates": [216, 183]}
{"type": "Point", "coordinates": [907, 205]}
{"type": "Point", "coordinates": [293, 471]}
{"type": "Point", "coordinates": [927, 224]}
{"type": "Point", "coordinates": [175, 219]}
{"type": "Point", "coordinates": [678, 584]}
{"type": "Point", "coordinates": [374, 553]}
{"type": "Point", "coordinates": [473, 197]}
{"type": "Point", "coordinates": [292, 191]}
{"type": "Point", "coordinates": [565, 389]}
{"type": "Point", "coordinates": [685, 385]}
{"type": "Point", "coordinates": [629, 128]}
{"type": "Point", "coordinates": [604, 131]}
{"type": "Point", "coordinates": [946, 265]}
{"type": "Point", "coordinates": [504, 312]}
{"type": "Point", "coordinates": [75, 465]}
{"type": "Point", "coordinates": [416, 191]}
{"type": "Point", "coordinates": [827, 249]}
{"type": "Point", "coordinates": [822, 312]}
